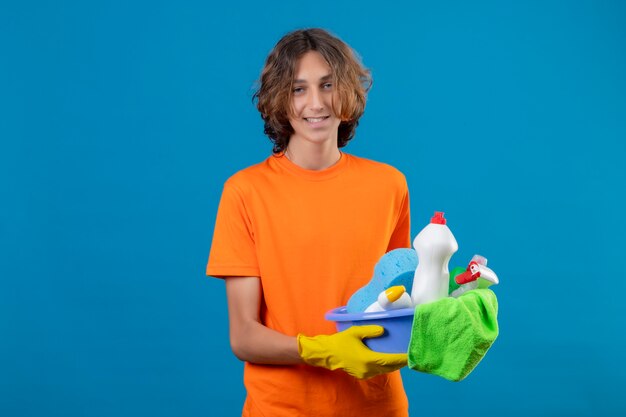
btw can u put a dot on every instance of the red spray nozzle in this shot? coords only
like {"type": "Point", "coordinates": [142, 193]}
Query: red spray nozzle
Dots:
{"type": "Point", "coordinates": [438, 218]}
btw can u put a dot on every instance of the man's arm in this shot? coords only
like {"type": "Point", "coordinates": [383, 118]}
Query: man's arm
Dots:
{"type": "Point", "coordinates": [250, 340]}
{"type": "Point", "coordinates": [253, 342]}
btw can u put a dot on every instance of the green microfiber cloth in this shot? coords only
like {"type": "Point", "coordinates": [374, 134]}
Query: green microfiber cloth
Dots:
{"type": "Point", "coordinates": [450, 336]}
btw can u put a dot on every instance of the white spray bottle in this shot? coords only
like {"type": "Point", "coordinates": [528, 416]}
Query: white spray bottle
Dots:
{"type": "Point", "coordinates": [434, 245]}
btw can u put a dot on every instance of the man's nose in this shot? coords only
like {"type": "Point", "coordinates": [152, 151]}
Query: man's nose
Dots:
{"type": "Point", "coordinates": [315, 100]}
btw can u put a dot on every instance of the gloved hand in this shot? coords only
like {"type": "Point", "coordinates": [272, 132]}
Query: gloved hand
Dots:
{"type": "Point", "coordinates": [345, 350]}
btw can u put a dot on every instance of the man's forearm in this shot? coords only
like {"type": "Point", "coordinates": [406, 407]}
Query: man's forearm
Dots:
{"type": "Point", "coordinates": [257, 343]}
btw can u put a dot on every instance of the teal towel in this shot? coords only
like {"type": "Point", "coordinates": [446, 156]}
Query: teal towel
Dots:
{"type": "Point", "coordinates": [450, 336]}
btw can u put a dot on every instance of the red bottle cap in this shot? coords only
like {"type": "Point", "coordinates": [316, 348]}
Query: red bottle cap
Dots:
{"type": "Point", "coordinates": [438, 218]}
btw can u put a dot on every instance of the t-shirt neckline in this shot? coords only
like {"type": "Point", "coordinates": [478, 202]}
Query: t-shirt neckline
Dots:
{"type": "Point", "coordinates": [310, 174]}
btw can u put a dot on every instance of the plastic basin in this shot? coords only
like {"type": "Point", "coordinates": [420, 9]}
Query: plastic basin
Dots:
{"type": "Point", "coordinates": [397, 324]}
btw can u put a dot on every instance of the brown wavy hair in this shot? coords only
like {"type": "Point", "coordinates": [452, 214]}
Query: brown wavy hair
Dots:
{"type": "Point", "coordinates": [274, 89]}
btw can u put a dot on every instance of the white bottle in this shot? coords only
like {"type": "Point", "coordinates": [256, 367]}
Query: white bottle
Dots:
{"type": "Point", "coordinates": [434, 245]}
{"type": "Point", "coordinates": [392, 298]}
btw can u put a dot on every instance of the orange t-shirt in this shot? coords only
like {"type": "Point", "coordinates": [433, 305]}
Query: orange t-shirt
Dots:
{"type": "Point", "coordinates": [313, 238]}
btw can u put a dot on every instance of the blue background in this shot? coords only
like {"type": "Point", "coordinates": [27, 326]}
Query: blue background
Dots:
{"type": "Point", "coordinates": [119, 123]}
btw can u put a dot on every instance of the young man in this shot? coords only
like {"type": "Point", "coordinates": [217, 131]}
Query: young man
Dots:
{"type": "Point", "coordinates": [298, 233]}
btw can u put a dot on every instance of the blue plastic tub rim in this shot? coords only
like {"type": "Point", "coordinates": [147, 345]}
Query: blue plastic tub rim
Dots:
{"type": "Point", "coordinates": [339, 314]}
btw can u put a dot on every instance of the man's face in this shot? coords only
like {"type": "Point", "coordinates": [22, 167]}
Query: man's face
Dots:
{"type": "Point", "coordinates": [313, 118]}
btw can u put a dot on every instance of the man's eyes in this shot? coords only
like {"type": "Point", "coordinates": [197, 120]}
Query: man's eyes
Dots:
{"type": "Point", "coordinates": [325, 86]}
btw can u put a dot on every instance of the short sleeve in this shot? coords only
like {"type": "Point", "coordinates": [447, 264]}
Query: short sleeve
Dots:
{"type": "Point", "coordinates": [401, 236]}
{"type": "Point", "coordinates": [233, 251]}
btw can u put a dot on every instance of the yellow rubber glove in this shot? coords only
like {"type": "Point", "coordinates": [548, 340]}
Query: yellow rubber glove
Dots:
{"type": "Point", "coordinates": [345, 350]}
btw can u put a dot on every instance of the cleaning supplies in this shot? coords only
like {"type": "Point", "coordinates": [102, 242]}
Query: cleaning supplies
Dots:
{"type": "Point", "coordinates": [451, 336]}
{"type": "Point", "coordinates": [434, 245]}
{"type": "Point", "coordinates": [392, 298]}
{"type": "Point", "coordinates": [396, 267]}
{"type": "Point", "coordinates": [477, 275]}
